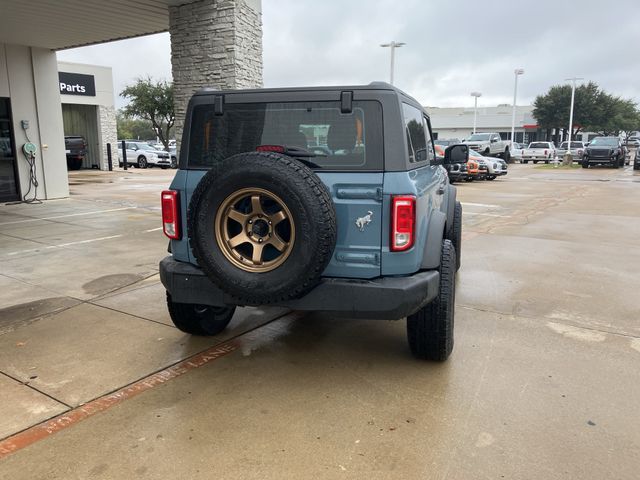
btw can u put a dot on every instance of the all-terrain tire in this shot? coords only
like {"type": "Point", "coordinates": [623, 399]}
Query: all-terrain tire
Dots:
{"type": "Point", "coordinates": [454, 233]}
{"type": "Point", "coordinates": [430, 329]}
{"type": "Point", "coordinates": [313, 216]}
{"type": "Point", "coordinates": [205, 320]}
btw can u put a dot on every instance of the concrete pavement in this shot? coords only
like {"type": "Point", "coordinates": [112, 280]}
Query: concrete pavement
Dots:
{"type": "Point", "coordinates": [543, 381]}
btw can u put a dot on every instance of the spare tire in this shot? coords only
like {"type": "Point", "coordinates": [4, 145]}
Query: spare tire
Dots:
{"type": "Point", "coordinates": [262, 227]}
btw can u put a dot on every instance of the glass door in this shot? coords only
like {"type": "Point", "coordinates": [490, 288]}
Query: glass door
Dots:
{"type": "Point", "coordinates": [8, 177]}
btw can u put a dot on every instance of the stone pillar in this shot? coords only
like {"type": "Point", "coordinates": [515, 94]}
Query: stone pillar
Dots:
{"type": "Point", "coordinates": [108, 133]}
{"type": "Point", "coordinates": [214, 43]}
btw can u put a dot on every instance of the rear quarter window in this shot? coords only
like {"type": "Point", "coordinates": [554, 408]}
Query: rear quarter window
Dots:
{"type": "Point", "coordinates": [339, 141]}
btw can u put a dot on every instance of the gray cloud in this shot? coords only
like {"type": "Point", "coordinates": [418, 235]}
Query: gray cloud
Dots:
{"type": "Point", "coordinates": [453, 47]}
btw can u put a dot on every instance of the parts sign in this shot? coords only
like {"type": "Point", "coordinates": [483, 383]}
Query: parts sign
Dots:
{"type": "Point", "coordinates": [77, 84]}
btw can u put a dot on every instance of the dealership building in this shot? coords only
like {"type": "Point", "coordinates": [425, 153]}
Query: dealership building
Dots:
{"type": "Point", "coordinates": [213, 43]}
{"type": "Point", "coordinates": [458, 122]}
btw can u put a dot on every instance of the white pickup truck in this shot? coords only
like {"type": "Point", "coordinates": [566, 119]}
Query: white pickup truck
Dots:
{"type": "Point", "coordinates": [489, 145]}
{"type": "Point", "coordinates": [539, 152]}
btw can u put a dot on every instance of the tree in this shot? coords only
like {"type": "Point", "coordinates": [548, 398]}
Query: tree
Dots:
{"type": "Point", "coordinates": [616, 115]}
{"type": "Point", "coordinates": [134, 128]}
{"type": "Point", "coordinates": [551, 110]}
{"type": "Point", "coordinates": [152, 101]}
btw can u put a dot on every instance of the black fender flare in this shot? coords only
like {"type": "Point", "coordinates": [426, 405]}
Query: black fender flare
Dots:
{"type": "Point", "coordinates": [433, 246]}
{"type": "Point", "coordinates": [450, 206]}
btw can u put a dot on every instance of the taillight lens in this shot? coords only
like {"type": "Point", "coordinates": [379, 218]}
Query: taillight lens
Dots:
{"type": "Point", "coordinates": [545, 152]}
{"type": "Point", "coordinates": [403, 222]}
{"type": "Point", "coordinates": [170, 215]}
{"type": "Point", "coordinates": [270, 148]}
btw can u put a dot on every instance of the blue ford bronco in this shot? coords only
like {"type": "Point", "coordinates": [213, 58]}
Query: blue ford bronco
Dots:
{"type": "Point", "coordinates": [317, 199]}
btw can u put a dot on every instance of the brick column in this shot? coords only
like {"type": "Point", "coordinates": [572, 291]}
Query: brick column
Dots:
{"type": "Point", "coordinates": [214, 43]}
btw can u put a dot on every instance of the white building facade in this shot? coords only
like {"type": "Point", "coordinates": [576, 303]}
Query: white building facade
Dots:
{"type": "Point", "coordinates": [457, 122]}
{"type": "Point", "coordinates": [87, 97]}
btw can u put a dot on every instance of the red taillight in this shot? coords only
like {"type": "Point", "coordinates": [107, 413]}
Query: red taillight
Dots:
{"type": "Point", "coordinates": [403, 222]}
{"type": "Point", "coordinates": [270, 148]}
{"type": "Point", "coordinates": [170, 215]}
{"type": "Point", "coordinates": [545, 152]}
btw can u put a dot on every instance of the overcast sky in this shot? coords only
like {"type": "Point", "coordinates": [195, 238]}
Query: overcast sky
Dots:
{"type": "Point", "coordinates": [452, 47]}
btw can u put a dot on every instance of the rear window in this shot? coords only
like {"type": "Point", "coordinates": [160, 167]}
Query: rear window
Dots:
{"type": "Point", "coordinates": [339, 141]}
{"type": "Point", "coordinates": [539, 145]}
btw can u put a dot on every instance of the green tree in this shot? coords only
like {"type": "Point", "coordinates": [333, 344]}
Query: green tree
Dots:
{"type": "Point", "coordinates": [152, 101]}
{"type": "Point", "coordinates": [551, 110]}
{"type": "Point", "coordinates": [134, 128]}
{"type": "Point", "coordinates": [615, 115]}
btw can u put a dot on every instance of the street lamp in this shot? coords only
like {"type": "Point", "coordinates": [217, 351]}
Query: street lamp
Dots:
{"type": "Point", "coordinates": [517, 71]}
{"type": "Point", "coordinates": [392, 45]}
{"type": "Point", "coordinates": [475, 109]}
{"type": "Point", "coordinates": [568, 158]}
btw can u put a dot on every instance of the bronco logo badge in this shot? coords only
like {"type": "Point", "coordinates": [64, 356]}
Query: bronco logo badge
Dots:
{"type": "Point", "coordinates": [364, 221]}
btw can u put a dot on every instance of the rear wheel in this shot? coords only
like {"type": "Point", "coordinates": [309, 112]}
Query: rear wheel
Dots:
{"type": "Point", "coordinates": [195, 319]}
{"type": "Point", "coordinates": [142, 162]}
{"type": "Point", "coordinates": [585, 164]}
{"type": "Point", "coordinates": [507, 155]}
{"type": "Point", "coordinates": [430, 329]}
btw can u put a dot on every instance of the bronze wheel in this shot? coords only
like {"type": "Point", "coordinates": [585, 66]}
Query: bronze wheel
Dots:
{"type": "Point", "coordinates": [255, 230]}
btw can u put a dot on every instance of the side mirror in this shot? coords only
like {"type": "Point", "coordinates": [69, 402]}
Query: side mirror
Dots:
{"type": "Point", "coordinates": [458, 153]}
{"type": "Point", "coordinates": [494, 140]}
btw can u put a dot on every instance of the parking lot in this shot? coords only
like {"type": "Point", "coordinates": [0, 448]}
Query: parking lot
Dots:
{"type": "Point", "coordinates": [543, 381]}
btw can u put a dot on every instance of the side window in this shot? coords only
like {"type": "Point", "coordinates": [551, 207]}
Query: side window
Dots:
{"type": "Point", "coordinates": [431, 154]}
{"type": "Point", "coordinates": [415, 131]}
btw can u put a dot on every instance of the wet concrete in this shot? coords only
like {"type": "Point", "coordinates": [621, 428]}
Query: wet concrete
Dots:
{"type": "Point", "coordinates": [543, 381]}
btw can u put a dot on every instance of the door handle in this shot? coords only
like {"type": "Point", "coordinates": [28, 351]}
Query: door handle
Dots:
{"type": "Point", "coordinates": [440, 190]}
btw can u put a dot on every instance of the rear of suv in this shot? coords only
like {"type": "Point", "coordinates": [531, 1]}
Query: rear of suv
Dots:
{"type": "Point", "coordinates": [316, 199]}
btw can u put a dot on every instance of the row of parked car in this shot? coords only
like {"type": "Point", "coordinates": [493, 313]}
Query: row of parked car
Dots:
{"type": "Point", "coordinates": [609, 151]}
{"type": "Point", "coordinates": [477, 167]}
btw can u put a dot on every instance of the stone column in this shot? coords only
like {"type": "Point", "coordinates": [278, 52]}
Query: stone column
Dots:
{"type": "Point", "coordinates": [214, 43]}
{"type": "Point", "coordinates": [108, 133]}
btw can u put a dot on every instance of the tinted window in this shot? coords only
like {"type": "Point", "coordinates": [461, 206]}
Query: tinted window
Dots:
{"type": "Point", "coordinates": [605, 142]}
{"type": "Point", "coordinates": [416, 132]}
{"type": "Point", "coordinates": [339, 141]}
{"type": "Point", "coordinates": [539, 145]}
{"type": "Point", "coordinates": [479, 137]}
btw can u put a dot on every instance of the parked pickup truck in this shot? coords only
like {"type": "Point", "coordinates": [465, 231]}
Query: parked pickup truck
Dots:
{"type": "Point", "coordinates": [489, 145]}
{"type": "Point", "coordinates": [577, 150]}
{"type": "Point", "coordinates": [76, 149]}
{"type": "Point", "coordinates": [539, 152]}
{"type": "Point", "coordinates": [362, 224]}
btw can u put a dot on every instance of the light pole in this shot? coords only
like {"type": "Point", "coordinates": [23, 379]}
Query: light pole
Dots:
{"type": "Point", "coordinates": [568, 158]}
{"type": "Point", "coordinates": [392, 45]}
{"type": "Point", "coordinates": [517, 71]}
{"type": "Point", "coordinates": [475, 109]}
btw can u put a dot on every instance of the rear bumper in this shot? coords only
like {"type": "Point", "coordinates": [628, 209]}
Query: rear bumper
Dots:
{"type": "Point", "coordinates": [386, 298]}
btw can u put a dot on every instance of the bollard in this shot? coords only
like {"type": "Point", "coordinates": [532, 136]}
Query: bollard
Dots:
{"type": "Point", "coordinates": [124, 154]}
{"type": "Point", "coordinates": [109, 159]}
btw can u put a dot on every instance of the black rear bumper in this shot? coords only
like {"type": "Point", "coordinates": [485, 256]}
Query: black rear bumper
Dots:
{"type": "Point", "coordinates": [386, 298]}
